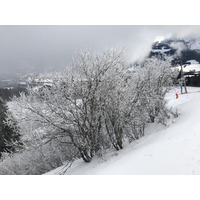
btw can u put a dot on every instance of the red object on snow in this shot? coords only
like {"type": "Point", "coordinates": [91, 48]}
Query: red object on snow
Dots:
{"type": "Point", "coordinates": [176, 96]}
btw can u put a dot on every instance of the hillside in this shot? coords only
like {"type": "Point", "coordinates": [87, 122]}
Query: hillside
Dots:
{"type": "Point", "coordinates": [185, 52]}
{"type": "Point", "coordinates": [187, 49]}
{"type": "Point", "coordinates": [171, 149]}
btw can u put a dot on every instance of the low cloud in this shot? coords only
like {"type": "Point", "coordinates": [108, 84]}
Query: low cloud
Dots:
{"type": "Point", "coordinates": [51, 48]}
{"type": "Point", "coordinates": [179, 46]}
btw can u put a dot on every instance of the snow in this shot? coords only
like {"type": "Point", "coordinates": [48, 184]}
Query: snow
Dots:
{"type": "Point", "coordinates": [163, 50]}
{"type": "Point", "coordinates": [189, 68]}
{"type": "Point", "coordinates": [172, 149]}
{"type": "Point", "coordinates": [192, 67]}
{"type": "Point", "coordinates": [159, 39]}
{"type": "Point", "coordinates": [192, 62]}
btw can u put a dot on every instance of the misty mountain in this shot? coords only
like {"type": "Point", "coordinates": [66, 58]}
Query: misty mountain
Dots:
{"type": "Point", "coordinates": [185, 52]}
{"type": "Point", "coordinates": [186, 49]}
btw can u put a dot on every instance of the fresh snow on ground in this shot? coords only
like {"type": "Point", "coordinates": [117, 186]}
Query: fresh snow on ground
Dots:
{"type": "Point", "coordinates": [172, 149]}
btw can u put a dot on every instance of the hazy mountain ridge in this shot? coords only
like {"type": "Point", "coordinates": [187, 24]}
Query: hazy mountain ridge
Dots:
{"type": "Point", "coordinates": [186, 49]}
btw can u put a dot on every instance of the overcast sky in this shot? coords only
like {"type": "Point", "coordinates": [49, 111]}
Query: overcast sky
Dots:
{"type": "Point", "coordinates": [47, 48]}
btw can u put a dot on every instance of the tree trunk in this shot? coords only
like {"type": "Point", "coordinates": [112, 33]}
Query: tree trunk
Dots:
{"type": "Point", "coordinates": [85, 154]}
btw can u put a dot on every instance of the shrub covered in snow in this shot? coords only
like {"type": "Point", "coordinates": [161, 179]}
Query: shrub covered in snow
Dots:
{"type": "Point", "coordinates": [96, 104]}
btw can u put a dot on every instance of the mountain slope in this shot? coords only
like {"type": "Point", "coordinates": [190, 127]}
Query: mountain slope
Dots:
{"type": "Point", "coordinates": [186, 49]}
{"type": "Point", "coordinates": [171, 149]}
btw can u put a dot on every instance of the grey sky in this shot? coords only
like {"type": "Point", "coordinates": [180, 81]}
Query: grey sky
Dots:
{"type": "Point", "coordinates": [46, 48]}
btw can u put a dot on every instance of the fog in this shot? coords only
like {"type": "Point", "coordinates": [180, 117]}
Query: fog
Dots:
{"type": "Point", "coordinates": [25, 49]}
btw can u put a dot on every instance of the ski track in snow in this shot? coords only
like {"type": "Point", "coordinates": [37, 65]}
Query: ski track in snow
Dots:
{"type": "Point", "coordinates": [173, 149]}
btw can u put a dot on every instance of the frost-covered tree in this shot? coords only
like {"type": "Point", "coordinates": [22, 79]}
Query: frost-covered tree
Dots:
{"type": "Point", "coordinates": [9, 136]}
{"type": "Point", "coordinates": [94, 105]}
{"type": "Point", "coordinates": [158, 76]}
{"type": "Point", "coordinates": [147, 85]}
{"type": "Point", "coordinates": [73, 108]}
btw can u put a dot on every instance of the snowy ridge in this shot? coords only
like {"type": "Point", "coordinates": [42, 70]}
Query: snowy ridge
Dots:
{"type": "Point", "coordinates": [171, 149]}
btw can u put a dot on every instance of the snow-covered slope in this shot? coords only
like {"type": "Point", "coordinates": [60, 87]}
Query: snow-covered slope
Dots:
{"type": "Point", "coordinates": [171, 149]}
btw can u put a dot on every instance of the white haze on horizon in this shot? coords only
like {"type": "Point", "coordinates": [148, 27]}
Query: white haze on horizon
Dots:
{"type": "Point", "coordinates": [51, 48]}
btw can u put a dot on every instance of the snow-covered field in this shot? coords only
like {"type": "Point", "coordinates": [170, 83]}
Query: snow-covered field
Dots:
{"type": "Point", "coordinates": [172, 149]}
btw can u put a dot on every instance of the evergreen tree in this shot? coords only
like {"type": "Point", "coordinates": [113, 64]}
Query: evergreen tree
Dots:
{"type": "Point", "coordinates": [8, 135]}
